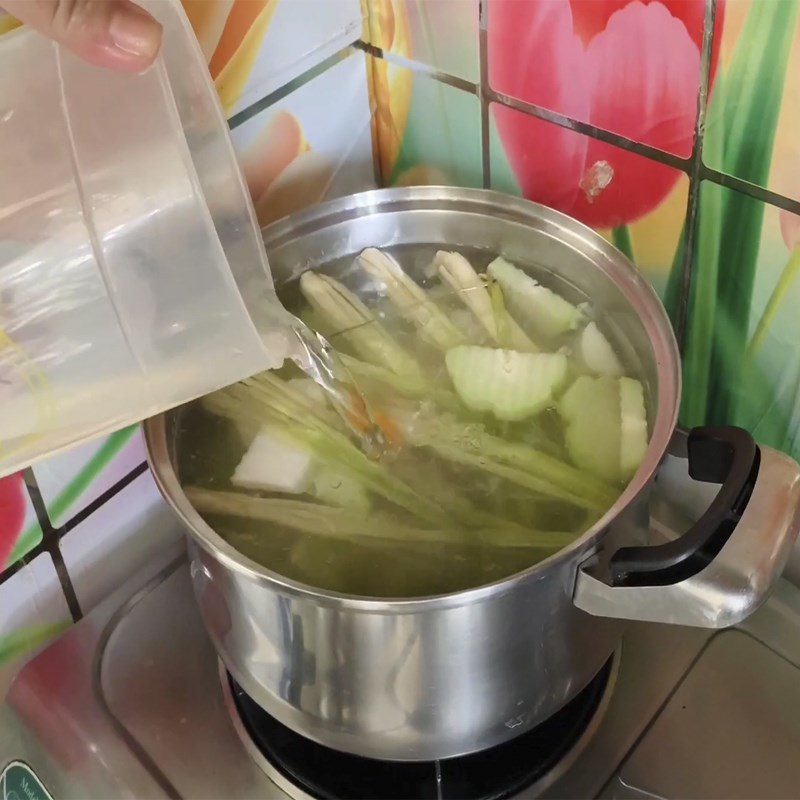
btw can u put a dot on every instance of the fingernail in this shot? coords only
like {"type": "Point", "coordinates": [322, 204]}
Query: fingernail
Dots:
{"type": "Point", "coordinates": [135, 32]}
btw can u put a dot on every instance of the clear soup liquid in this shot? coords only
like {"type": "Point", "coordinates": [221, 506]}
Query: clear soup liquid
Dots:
{"type": "Point", "coordinates": [396, 487]}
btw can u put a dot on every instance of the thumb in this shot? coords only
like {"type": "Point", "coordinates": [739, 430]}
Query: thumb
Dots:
{"type": "Point", "coordinates": [110, 33]}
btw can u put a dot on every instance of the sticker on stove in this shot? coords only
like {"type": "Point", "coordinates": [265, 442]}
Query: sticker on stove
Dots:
{"type": "Point", "coordinates": [19, 782]}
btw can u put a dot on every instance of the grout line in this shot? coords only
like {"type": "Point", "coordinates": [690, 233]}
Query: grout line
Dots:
{"type": "Point", "coordinates": [21, 563]}
{"type": "Point", "coordinates": [483, 89]}
{"type": "Point", "coordinates": [293, 85]}
{"type": "Point", "coordinates": [563, 121]}
{"type": "Point", "coordinates": [66, 581]}
{"type": "Point", "coordinates": [374, 109]}
{"type": "Point", "coordinates": [693, 200]}
{"type": "Point", "coordinates": [372, 99]}
{"type": "Point", "coordinates": [685, 165]}
{"type": "Point", "coordinates": [419, 68]}
{"type": "Point", "coordinates": [750, 189]}
{"type": "Point", "coordinates": [49, 544]}
{"type": "Point", "coordinates": [102, 499]}
{"type": "Point", "coordinates": [37, 501]}
{"type": "Point", "coordinates": [51, 536]}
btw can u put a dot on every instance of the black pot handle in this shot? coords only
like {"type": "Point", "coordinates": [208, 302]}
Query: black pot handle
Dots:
{"type": "Point", "coordinates": [725, 455]}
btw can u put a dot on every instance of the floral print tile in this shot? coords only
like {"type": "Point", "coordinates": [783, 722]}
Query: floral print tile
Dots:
{"type": "Point", "coordinates": [19, 527]}
{"type": "Point", "coordinates": [70, 481]}
{"type": "Point", "coordinates": [134, 534]}
{"type": "Point", "coordinates": [637, 203]}
{"type": "Point", "coordinates": [742, 362]}
{"type": "Point", "coordinates": [426, 131]}
{"type": "Point", "coordinates": [313, 144]}
{"type": "Point", "coordinates": [35, 611]}
{"type": "Point", "coordinates": [442, 34]}
{"type": "Point", "coordinates": [751, 131]}
{"type": "Point", "coordinates": [255, 46]}
{"type": "Point", "coordinates": [627, 66]}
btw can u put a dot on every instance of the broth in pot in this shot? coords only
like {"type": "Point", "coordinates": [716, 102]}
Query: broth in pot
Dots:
{"type": "Point", "coordinates": [463, 418]}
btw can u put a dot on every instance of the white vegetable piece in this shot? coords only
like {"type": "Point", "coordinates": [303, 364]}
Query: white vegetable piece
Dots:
{"type": "Point", "coordinates": [410, 299]}
{"type": "Point", "coordinates": [274, 463]}
{"type": "Point", "coordinates": [509, 384]}
{"type": "Point", "coordinates": [548, 313]}
{"type": "Point", "coordinates": [633, 443]}
{"type": "Point", "coordinates": [597, 353]}
{"type": "Point", "coordinates": [459, 274]}
{"type": "Point", "coordinates": [605, 425]}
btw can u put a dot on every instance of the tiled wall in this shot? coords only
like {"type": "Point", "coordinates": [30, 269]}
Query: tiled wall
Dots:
{"type": "Point", "coordinates": [667, 125]}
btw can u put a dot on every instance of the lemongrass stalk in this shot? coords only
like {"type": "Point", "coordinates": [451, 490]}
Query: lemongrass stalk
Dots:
{"type": "Point", "coordinates": [341, 523]}
{"type": "Point", "coordinates": [404, 386]}
{"type": "Point", "coordinates": [356, 324]}
{"type": "Point", "coordinates": [513, 475]}
{"type": "Point", "coordinates": [456, 271]}
{"type": "Point", "coordinates": [459, 275]}
{"type": "Point", "coordinates": [410, 300]}
{"type": "Point", "coordinates": [521, 464]}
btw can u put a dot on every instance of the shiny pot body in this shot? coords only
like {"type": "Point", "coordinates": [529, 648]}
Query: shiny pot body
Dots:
{"type": "Point", "coordinates": [437, 677]}
{"type": "Point", "coordinates": [408, 682]}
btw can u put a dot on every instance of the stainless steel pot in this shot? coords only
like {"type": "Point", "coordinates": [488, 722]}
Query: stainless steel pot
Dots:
{"type": "Point", "coordinates": [441, 676]}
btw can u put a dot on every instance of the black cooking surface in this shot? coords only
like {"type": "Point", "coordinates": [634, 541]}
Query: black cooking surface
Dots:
{"type": "Point", "coordinates": [494, 774]}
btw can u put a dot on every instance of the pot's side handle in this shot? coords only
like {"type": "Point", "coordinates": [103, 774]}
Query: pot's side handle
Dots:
{"type": "Point", "coordinates": [734, 582]}
{"type": "Point", "coordinates": [723, 455]}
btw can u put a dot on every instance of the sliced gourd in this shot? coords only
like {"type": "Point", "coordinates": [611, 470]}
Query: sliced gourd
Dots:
{"type": "Point", "coordinates": [509, 384]}
{"type": "Point", "coordinates": [590, 409]}
{"type": "Point", "coordinates": [596, 352]}
{"type": "Point", "coordinates": [633, 444]}
{"type": "Point", "coordinates": [548, 313]}
{"type": "Point", "coordinates": [274, 463]}
{"type": "Point", "coordinates": [605, 425]}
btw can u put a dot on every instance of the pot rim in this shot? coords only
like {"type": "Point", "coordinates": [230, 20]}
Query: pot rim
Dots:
{"type": "Point", "coordinates": [633, 286]}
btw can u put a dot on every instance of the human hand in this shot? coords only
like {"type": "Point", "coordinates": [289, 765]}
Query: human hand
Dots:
{"type": "Point", "coordinates": [110, 33]}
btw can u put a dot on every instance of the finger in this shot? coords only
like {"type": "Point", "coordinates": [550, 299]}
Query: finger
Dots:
{"type": "Point", "coordinates": [110, 33]}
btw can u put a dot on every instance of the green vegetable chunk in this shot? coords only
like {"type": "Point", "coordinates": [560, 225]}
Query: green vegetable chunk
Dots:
{"type": "Point", "coordinates": [605, 425]}
{"type": "Point", "coordinates": [549, 313]}
{"type": "Point", "coordinates": [591, 413]}
{"type": "Point", "coordinates": [633, 444]}
{"type": "Point", "coordinates": [509, 384]}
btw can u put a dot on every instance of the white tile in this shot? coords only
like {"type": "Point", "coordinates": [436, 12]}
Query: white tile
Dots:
{"type": "Point", "coordinates": [135, 533]}
{"type": "Point", "coordinates": [302, 34]}
{"type": "Point", "coordinates": [31, 603]}
{"type": "Point", "coordinates": [56, 475]}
